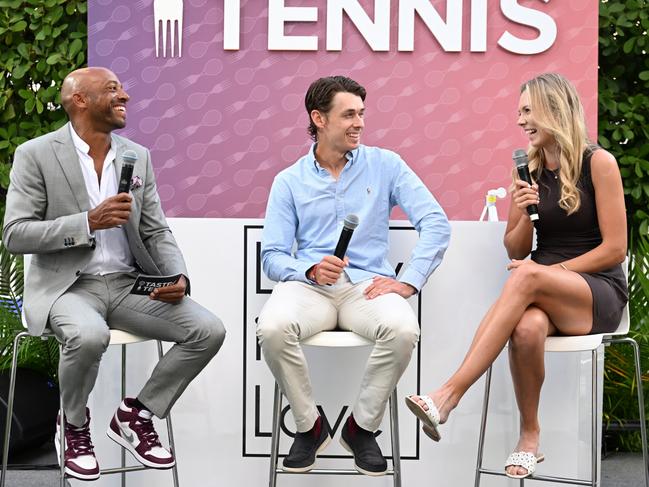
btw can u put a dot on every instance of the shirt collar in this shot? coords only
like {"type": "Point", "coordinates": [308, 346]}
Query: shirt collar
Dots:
{"type": "Point", "coordinates": [78, 142]}
{"type": "Point", "coordinates": [351, 157]}
{"type": "Point", "coordinates": [83, 147]}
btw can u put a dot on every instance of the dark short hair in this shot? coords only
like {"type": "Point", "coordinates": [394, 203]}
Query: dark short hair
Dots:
{"type": "Point", "coordinates": [321, 93]}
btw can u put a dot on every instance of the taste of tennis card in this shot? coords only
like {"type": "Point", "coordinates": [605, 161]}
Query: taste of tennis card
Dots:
{"type": "Point", "coordinates": [145, 285]}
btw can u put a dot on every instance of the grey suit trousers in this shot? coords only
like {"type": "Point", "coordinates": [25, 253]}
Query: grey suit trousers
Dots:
{"type": "Point", "coordinates": [82, 317]}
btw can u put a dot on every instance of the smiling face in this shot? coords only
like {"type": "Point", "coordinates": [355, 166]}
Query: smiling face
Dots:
{"type": "Point", "coordinates": [106, 100]}
{"type": "Point", "coordinates": [538, 137]}
{"type": "Point", "coordinates": [339, 130]}
{"type": "Point", "coordinates": [95, 100]}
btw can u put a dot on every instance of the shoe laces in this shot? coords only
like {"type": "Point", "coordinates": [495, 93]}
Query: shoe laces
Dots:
{"type": "Point", "coordinates": [78, 439]}
{"type": "Point", "coordinates": [144, 429]}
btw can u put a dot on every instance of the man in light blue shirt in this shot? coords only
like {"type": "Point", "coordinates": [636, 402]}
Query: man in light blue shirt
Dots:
{"type": "Point", "coordinates": [318, 291]}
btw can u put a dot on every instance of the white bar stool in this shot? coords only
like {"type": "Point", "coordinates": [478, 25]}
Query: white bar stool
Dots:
{"type": "Point", "coordinates": [577, 344]}
{"type": "Point", "coordinates": [336, 338]}
{"type": "Point", "coordinates": [117, 337]}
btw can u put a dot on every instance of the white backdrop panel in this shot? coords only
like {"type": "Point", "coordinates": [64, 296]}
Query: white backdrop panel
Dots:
{"type": "Point", "coordinates": [223, 420]}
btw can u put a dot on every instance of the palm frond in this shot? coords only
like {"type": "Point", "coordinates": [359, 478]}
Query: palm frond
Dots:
{"type": "Point", "coordinates": [34, 353]}
{"type": "Point", "coordinates": [620, 384]}
{"type": "Point", "coordinates": [639, 280]}
{"type": "Point", "coordinates": [11, 279]}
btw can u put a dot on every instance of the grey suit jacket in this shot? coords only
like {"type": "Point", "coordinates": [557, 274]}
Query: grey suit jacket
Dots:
{"type": "Point", "coordinates": [45, 216]}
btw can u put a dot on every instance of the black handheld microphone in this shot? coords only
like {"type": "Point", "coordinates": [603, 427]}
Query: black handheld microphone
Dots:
{"type": "Point", "coordinates": [350, 223]}
{"type": "Point", "coordinates": [128, 163]}
{"type": "Point", "coordinates": [521, 162]}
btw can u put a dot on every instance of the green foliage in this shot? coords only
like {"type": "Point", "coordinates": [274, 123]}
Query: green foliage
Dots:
{"type": "Point", "coordinates": [41, 41]}
{"type": "Point", "coordinates": [11, 279]}
{"type": "Point", "coordinates": [41, 355]}
{"type": "Point", "coordinates": [624, 131]}
{"type": "Point", "coordinates": [34, 353]}
{"type": "Point", "coordinates": [620, 386]}
{"type": "Point", "coordinates": [624, 100]}
{"type": "Point", "coordinates": [620, 389]}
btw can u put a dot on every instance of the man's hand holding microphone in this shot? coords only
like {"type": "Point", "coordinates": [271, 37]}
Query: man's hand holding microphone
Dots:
{"type": "Point", "coordinates": [329, 269]}
{"type": "Point", "coordinates": [116, 210]}
{"type": "Point", "coordinates": [112, 212]}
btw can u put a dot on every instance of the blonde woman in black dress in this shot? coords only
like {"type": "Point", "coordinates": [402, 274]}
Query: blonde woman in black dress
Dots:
{"type": "Point", "coordinates": [572, 285]}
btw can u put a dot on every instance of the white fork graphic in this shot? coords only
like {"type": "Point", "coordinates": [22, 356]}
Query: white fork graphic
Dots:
{"type": "Point", "coordinates": [171, 12]}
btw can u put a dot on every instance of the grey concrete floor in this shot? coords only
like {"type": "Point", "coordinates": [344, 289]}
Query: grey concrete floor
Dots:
{"type": "Point", "coordinates": [622, 470]}
{"type": "Point", "coordinates": [34, 468]}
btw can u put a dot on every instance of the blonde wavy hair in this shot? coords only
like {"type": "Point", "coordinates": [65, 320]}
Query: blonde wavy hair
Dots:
{"type": "Point", "coordinates": [556, 108]}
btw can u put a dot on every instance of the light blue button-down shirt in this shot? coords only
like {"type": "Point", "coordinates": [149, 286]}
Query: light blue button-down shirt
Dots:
{"type": "Point", "coordinates": [307, 207]}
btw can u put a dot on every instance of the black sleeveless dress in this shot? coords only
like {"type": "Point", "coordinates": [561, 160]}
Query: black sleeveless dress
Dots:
{"type": "Point", "coordinates": [561, 237]}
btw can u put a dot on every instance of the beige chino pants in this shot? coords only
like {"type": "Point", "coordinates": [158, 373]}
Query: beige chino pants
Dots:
{"type": "Point", "coordinates": [297, 310]}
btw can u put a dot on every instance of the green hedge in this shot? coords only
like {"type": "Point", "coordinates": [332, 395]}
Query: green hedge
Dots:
{"type": "Point", "coordinates": [623, 130]}
{"type": "Point", "coordinates": [624, 99]}
{"type": "Point", "coordinates": [41, 41]}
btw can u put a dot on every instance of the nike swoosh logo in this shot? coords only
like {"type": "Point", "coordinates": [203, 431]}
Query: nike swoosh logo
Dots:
{"type": "Point", "coordinates": [127, 436]}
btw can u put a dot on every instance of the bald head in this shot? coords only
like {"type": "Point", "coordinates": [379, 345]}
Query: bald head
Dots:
{"type": "Point", "coordinates": [94, 98]}
{"type": "Point", "coordinates": [84, 82]}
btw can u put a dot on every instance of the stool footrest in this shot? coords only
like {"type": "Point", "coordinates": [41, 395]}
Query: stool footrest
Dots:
{"type": "Point", "coordinates": [542, 478]}
{"type": "Point", "coordinates": [134, 468]}
{"type": "Point", "coordinates": [275, 469]}
{"type": "Point", "coordinates": [329, 471]}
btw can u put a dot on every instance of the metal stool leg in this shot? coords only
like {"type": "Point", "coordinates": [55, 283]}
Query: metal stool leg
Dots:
{"type": "Point", "coordinates": [483, 427]}
{"type": "Point", "coordinates": [643, 420]}
{"type": "Point", "coordinates": [274, 441]}
{"type": "Point", "coordinates": [641, 410]}
{"type": "Point", "coordinates": [172, 445]}
{"type": "Point", "coordinates": [123, 450]}
{"type": "Point", "coordinates": [62, 442]}
{"type": "Point", "coordinates": [10, 406]}
{"type": "Point", "coordinates": [593, 433]}
{"type": "Point", "coordinates": [394, 435]}
{"type": "Point", "coordinates": [124, 469]}
{"type": "Point", "coordinates": [170, 431]}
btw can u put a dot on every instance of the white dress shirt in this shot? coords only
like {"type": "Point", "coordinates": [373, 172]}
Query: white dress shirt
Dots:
{"type": "Point", "coordinates": [112, 253]}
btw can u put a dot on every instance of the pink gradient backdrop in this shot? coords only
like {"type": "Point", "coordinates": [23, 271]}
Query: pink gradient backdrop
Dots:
{"type": "Point", "coordinates": [221, 124]}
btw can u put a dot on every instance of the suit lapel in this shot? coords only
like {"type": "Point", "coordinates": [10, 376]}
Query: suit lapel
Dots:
{"type": "Point", "coordinates": [120, 147]}
{"type": "Point", "coordinates": [69, 161]}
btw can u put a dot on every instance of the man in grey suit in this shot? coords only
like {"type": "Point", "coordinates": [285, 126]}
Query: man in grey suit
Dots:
{"type": "Point", "coordinates": [89, 243]}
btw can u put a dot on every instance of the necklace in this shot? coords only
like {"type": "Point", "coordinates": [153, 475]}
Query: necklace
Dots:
{"type": "Point", "coordinates": [555, 172]}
